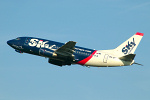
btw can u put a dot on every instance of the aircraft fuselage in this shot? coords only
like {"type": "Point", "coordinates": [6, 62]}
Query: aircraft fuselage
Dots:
{"type": "Point", "coordinates": [66, 54]}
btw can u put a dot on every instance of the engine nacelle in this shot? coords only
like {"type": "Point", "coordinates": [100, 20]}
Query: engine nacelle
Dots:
{"type": "Point", "coordinates": [58, 62]}
{"type": "Point", "coordinates": [47, 53]}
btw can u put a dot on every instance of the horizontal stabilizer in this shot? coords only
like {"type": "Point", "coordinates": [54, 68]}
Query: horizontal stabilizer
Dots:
{"type": "Point", "coordinates": [129, 57]}
{"type": "Point", "coordinates": [138, 64]}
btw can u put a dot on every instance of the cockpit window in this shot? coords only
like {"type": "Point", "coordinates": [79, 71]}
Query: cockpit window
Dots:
{"type": "Point", "coordinates": [17, 38]}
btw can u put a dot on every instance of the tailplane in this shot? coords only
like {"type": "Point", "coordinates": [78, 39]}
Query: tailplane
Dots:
{"type": "Point", "coordinates": [129, 57]}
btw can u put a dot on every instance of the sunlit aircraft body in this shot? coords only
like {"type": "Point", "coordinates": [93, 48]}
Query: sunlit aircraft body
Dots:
{"type": "Point", "coordinates": [66, 54]}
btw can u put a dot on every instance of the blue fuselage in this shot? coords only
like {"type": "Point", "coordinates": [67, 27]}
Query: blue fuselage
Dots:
{"type": "Point", "coordinates": [46, 48]}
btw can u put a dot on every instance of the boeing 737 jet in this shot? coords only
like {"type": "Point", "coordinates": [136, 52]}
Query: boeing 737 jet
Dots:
{"type": "Point", "coordinates": [66, 54]}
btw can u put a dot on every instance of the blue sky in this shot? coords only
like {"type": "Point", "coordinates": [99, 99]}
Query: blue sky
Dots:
{"type": "Point", "coordinates": [97, 24]}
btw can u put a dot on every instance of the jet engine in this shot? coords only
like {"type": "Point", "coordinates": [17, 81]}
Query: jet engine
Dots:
{"type": "Point", "coordinates": [47, 53]}
{"type": "Point", "coordinates": [59, 62]}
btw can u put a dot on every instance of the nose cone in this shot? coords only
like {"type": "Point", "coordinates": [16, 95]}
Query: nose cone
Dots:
{"type": "Point", "coordinates": [9, 42]}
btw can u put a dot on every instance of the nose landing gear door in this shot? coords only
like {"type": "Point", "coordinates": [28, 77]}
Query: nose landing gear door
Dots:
{"type": "Point", "coordinates": [105, 58]}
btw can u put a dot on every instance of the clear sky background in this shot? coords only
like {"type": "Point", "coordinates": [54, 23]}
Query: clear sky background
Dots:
{"type": "Point", "coordinates": [95, 24]}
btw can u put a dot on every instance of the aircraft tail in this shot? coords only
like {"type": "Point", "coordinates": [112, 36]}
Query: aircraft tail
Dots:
{"type": "Point", "coordinates": [129, 46]}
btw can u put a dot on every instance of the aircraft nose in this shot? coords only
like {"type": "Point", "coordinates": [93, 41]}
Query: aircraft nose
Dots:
{"type": "Point", "coordinates": [9, 42]}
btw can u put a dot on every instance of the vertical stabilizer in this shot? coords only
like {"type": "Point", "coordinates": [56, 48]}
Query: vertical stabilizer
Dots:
{"type": "Point", "coordinates": [130, 45]}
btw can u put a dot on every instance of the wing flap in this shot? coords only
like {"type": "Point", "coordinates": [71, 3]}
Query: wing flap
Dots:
{"type": "Point", "coordinates": [67, 49]}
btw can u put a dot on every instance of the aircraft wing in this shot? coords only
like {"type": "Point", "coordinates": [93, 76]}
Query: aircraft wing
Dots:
{"type": "Point", "coordinates": [67, 49]}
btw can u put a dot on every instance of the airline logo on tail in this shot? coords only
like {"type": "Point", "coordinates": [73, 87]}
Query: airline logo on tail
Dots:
{"type": "Point", "coordinates": [128, 48]}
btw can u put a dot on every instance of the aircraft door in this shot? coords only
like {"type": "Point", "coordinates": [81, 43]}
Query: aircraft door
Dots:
{"type": "Point", "coordinates": [105, 58]}
{"type": "Point", "coordinates": [27, 40]}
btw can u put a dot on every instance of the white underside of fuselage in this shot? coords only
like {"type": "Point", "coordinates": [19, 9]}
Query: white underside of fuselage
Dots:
{"type": "Point", "coordinates": [101, 59]}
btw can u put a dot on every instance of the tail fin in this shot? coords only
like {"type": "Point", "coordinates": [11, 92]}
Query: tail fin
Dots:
{"type": "Point", "coordinates": [129, 46]}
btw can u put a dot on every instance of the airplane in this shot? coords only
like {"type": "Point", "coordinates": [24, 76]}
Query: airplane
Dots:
{"type": "Point", "coordinates": [61, 54]}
